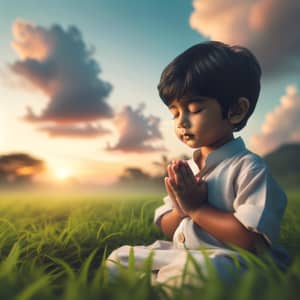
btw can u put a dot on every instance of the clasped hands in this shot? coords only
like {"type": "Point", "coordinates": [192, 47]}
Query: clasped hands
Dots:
{"type": "Point", "coordinates": [186, 191]}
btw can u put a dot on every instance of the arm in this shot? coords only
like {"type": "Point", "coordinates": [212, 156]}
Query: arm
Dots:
{"type": "Point", "coordinates": [222, 225]}
{"type": "Point", "coordinates": [169, 222]}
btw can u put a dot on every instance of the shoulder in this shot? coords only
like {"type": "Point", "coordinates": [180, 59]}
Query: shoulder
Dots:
{"type": "Point", "coordinates": [248, 161]}
{"type": "Point", "coordinates": [252, 169]}
{"type": "Point", "coordinates": [248, 167]}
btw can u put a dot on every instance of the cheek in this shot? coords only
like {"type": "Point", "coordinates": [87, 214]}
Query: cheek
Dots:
{"type": "Point", "coordinates": [176, 130]}
{"type": "Point", "coordinates": [175, 127]}
{"type": "Point", "coordinates": [199, 122]}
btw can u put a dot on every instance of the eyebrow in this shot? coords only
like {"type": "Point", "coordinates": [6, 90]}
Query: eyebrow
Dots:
{"type": "Point", "coordinates": [188, 100]}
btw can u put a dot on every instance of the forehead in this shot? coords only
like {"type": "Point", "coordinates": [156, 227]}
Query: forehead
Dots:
{"type": "Point", "coordinates": [187, 100]}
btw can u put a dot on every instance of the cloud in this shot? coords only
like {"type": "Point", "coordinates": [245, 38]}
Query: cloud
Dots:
{"type": "Point", "coordinates": [75, 131]}
{"type": "Point", "coordinates": [136, 131]}
{"type": "Point", "coordinates": [281, 125]}
{"type": "Point", "coordinates": [58, 62]}
{"type": "Point", "coordinates": [270, 28]}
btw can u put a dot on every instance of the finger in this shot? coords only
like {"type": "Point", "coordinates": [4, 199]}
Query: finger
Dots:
{"type": "Point", "coordinates": [182, 181]}
{"type": "Point", "coordinates": [183, 175]}
{"type": "Point", "coordinates": [169, 190]}
{"type": "Point", "coordinates": [176, 205]}
{"type": "Point", "coordinates": [174, 190]}
{"type": "Point", "coordinates": [173, 166]}
{"type": "Point", "coordinates": [189, 173]}
{"type": "Point", "coordinates": [187, 179]}
{"type": "Point", "coordinates": [171, 172]}
{"type": "Point", "coordinates": [177, 194]}
{"type": "Point", "coordinates": [171, 194]}
{"type": "Point", "coordinates": [175, 172]}
{"type": "Point", "coordinates": [173, 186]}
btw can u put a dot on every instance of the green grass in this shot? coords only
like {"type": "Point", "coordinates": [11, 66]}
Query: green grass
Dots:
{"type": "Point", "coordinates": [53, 246]}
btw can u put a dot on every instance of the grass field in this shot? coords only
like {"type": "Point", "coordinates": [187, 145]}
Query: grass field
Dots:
{"type": "Point", "coordinates": [52, 247]}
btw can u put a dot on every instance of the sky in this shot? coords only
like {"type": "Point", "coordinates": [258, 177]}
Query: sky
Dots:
{"type": "Point", "coordinates": [78, 79]}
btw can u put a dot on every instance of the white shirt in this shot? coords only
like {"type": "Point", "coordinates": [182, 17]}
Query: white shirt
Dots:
{"type": "Point", "coordinates": [239, 182]}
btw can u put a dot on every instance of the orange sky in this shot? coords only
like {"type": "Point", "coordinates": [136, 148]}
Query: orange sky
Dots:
{"type": "Point", "coordinates": [85, 100]}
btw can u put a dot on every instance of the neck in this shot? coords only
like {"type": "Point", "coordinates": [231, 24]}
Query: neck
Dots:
{"type": "Point", "coordinates": [206, 150]}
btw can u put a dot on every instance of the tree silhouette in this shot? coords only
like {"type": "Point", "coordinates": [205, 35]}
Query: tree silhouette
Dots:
{"type": "Point", "coordinates": [162, 165]}
{"type": "Point", "coordinates": [133, 174]}
{"type": "Point", "coordinates": [16, 168]}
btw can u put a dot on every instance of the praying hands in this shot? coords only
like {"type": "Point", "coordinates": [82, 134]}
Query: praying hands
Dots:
{"type": "Point", "coordinates": [186, 191]}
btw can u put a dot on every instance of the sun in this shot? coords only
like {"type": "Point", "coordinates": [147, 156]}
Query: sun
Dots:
{"type": "Point", "coordinates": [63, 173]}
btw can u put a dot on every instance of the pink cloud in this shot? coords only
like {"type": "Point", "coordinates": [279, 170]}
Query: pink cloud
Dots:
{"type": "Point", "coordinates": [136, 131]}
{"type": "Point", "coordinates": [267, 27]}
{"type": "Point", "coordinates": [75, 131]}
{"type": "Point", "coordinates": [59, 63]}
{"type": "Point", "coordinates": [31, 42]}
{"type": "Point", "coordinates": [281, 125]}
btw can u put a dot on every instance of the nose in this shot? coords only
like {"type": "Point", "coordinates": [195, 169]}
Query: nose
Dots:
{"type": "Point", "coordinates": [183, 121]}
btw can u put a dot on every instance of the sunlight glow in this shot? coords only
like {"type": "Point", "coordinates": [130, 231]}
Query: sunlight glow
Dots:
{"type": "Point", "coordinates": [63, 173]}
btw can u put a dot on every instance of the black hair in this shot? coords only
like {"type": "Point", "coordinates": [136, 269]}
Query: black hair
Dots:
{"type": "Point", "coordinates": [213, 69]}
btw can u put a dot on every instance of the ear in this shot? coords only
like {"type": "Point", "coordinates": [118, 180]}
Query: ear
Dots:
{"type": "Point", "coordinates": [238, 111]}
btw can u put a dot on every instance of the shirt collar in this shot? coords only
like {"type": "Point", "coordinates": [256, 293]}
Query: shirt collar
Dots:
{"type": "Point", "coordinates": [214, 158]}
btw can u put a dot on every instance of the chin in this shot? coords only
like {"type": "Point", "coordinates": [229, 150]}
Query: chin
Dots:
{"type": "Point", "coordinates": [193, 145]}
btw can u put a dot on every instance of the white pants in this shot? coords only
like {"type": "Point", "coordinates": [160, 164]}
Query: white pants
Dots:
{"type": "Point", "coordinates": [170, 263]}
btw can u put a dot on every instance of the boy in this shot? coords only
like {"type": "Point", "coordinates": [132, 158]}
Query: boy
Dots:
{"type": "Point", "coordinates": [224, 195]}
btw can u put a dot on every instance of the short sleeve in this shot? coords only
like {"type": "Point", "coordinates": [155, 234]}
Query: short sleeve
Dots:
{"type": "Point", "coordinates": [260, 202]}
{"type": "Point", "coordinates": [163, 209]}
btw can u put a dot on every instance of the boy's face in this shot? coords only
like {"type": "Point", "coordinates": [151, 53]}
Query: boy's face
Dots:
{"type": "Point", "coordinates": [199, 123]}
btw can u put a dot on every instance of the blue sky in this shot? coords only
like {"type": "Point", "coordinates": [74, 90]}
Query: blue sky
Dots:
{"type": "Point", "coordinates": [133, 41]}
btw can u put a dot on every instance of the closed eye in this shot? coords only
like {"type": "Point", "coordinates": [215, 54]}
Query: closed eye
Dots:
{"type": "Point", "coordinates": [196, 111]}
{"type": "Point", "coordinates": [194, 108]}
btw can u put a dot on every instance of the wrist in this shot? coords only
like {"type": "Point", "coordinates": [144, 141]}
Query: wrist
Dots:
{"type": "Point", "coordinates": [179, 214]}
{"type": "Point", "coordinates": [197, 210]}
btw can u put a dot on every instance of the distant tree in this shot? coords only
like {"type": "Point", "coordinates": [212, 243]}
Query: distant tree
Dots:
{"type": "Point", "coordinates": [17, 168]}
{"type": "Point", "coordinates": [132, 174]}
{"type": "Point", "coordinates": [162, 165]}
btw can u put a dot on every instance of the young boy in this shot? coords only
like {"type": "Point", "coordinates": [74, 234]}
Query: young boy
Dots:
{"type": "Point", "coordinates": [225, 195]}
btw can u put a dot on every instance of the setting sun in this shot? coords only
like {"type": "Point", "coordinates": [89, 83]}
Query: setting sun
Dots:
{"type": "Point", "coordinates": [62, 173]}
